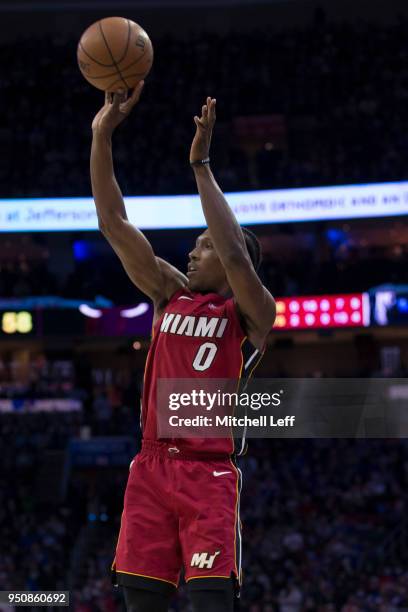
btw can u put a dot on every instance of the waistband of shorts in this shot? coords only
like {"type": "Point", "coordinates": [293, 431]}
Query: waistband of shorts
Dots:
{"type": "Point", "coordinates": [172, 451]}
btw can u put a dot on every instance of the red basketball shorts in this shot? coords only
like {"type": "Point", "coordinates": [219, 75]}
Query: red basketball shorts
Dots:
{"type": "Point", "coordinates": [178, 513]}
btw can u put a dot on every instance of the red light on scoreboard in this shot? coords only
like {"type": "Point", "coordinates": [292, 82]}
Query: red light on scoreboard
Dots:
{"type": "Point", "coordinates": [323, 311]}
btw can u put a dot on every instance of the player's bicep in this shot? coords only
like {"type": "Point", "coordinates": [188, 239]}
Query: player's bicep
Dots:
{"type": "Point", "coordinates": [254, 301]}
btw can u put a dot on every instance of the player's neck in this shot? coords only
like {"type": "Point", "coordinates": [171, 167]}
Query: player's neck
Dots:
{"type": "Point", "coordinates": [224, 291]}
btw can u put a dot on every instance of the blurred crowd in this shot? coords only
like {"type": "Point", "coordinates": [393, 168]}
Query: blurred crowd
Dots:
{"type": "Point", "coordinates": [295, 262]}
{"type": "Point", "coordinates": [337, 94]}
{"type": "Point", "coordinates": [317, 515]}
{"type": "Point", "coordinates": [109, 399]}
{"type": "Point", "coordinates": [35, 537]}
{"type": "Point", "coordinates": [334, 269]}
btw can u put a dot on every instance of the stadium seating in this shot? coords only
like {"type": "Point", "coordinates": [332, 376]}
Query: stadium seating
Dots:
{"type": "Point", "coordinates": [343, 107]}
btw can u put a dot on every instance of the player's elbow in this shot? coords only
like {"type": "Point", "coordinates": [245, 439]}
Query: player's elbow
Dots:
{"type": "Point", "coordinates": [268, 311]}
{"type": "Point", "coordinates": [102, 225]}
{"type": "Point", "coordinates": [109, 225]}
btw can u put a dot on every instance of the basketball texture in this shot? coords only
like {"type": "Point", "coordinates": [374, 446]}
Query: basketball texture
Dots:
{"type": "Point", "coordinates": [114, 53]}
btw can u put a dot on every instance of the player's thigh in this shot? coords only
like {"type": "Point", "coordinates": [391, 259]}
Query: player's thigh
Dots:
{"type": "Point", "coordinates": [209, 522]}
{"type": "Point", "coordinates": [148, 547]}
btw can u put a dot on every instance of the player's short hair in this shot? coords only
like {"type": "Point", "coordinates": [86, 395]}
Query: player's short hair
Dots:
{"type": "Point", "coordinates": [254, 247]}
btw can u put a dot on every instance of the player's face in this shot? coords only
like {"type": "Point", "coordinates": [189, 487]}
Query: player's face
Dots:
{"type": "Point", "coordinates": [205, 271]}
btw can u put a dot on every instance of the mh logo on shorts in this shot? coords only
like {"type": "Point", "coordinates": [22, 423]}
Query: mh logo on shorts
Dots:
{"type": "Point", "coordinates": [204, 559]}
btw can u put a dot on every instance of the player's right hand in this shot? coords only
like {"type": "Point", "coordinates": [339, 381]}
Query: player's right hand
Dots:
{"type": "Point", "coordinates": [116, 108]}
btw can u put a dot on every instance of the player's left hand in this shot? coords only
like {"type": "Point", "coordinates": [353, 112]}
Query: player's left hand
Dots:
{"type": "Point", "coordinates": [200, 147]}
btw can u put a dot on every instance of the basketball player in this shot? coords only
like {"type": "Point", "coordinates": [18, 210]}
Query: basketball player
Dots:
{"type": "Point", "coordinates": [181, 506]}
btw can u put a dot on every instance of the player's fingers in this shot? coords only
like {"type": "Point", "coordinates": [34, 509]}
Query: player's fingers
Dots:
{"type": "Point", "coordinates": [123, 101]}
{"type": "Point", "coordinates": [134, 98]}
{"type": "Point", "coordinates": [212, 110]}
{"type": "Point", "coordinates": [116, 102]}
{"type": "Point", "coordinates": [198, 122]}
{"type": "Point", "coordinates": [122, 95]}
{"type": "Point", "coordinates": [137, 92]}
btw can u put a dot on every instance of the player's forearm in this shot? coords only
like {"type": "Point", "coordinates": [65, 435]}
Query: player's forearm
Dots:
{"type": "Point", "coordinates": [105, 189]}
{"type": "Point", "coordinates": [225, 230]}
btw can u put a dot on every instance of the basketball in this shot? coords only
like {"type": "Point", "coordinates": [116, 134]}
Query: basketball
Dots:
{"type": "Point", "coordinates": [114, 53]}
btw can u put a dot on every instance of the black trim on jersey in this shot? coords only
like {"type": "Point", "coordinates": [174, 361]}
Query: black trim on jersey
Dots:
{"type": "Point", "coordinates": [251, 358]}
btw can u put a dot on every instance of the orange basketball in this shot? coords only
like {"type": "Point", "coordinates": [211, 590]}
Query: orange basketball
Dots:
{"type": "Point", "coordinates": [114, 53]}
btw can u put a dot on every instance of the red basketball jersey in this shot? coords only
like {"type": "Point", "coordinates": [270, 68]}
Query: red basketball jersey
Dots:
{"type": "Point", "coordinates": [197, 336]}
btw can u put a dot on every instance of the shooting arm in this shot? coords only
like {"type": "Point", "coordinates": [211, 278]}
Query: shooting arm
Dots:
{"type": "Point", "coordinates": [154, 277]}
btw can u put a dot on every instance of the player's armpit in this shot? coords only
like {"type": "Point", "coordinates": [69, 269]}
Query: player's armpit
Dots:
{"type": "Point", "coordinates": [152, 275]}
{"type": "Point", "coordinates": [173, 278]}
{"type": "Point", "coordinates": [255, 304]}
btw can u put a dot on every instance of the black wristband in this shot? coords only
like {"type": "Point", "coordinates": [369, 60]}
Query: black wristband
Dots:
{"type": "Point", "coordinates": [200, 162]}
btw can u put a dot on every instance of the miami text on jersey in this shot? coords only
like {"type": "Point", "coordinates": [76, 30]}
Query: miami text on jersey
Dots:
{"type": "Point", "coordinates": [187, 325]}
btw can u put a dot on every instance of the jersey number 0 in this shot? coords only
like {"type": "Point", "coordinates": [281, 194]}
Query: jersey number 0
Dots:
{"type": "Point", "coordinates": [205, 356]}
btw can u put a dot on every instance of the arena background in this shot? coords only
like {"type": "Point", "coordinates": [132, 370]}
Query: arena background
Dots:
{"type": "Point", "coordinates": [321, 95]}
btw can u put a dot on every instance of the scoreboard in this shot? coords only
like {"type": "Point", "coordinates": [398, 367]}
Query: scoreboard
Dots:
{"type": "Point", "coordinates": [20, 322]}
{"type": "Point", "coordinates": [323, 311]}
{"type": "Point", "coordinates": [48, 322]}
